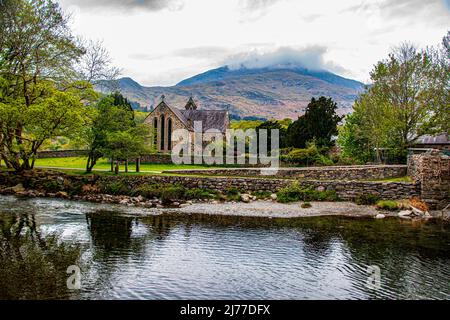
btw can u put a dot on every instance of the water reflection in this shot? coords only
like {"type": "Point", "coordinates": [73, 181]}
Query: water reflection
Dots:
{"type": "Point", "coordinates": [198, 256]}
{"type": "Point", "coordinates": [33, 265]}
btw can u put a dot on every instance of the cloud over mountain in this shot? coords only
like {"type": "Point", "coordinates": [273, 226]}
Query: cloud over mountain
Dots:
{"type": "Point", "coordinates": [309, 57]}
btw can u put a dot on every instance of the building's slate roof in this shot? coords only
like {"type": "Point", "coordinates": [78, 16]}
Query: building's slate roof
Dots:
{"type": "Point", "coordinates": [211, 119]}
{"type": "Point", "coordinates": [442, 138]}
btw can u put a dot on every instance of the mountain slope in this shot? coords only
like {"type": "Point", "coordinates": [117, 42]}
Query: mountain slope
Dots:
{"type": "Point", "coordinates": [274, 92]}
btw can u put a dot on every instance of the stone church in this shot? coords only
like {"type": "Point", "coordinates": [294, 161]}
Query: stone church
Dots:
{"type": "Point", "coordinates": [164, 119]}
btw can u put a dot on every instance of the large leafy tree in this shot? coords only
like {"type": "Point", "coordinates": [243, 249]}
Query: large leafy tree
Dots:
{"type": "Point", "coordinates": [318, 124]}
{"type": "Point", "coordinates": [409, 97]}
{"type": "Point", "coordinates": [113, 113]}
{"type": "Point", "coordinates": [26, 127]}
{"type": "Point", "coordinates": [45, 89]}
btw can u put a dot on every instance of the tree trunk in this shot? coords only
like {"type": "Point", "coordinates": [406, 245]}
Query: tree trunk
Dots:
{"type": "Point", "coordinates": [25, 164]}
{"type": "Point", "coordinates": [88, 164]}
{"type": "Point", "coordinates": [138, 165]}
{"type": "Point", "coordinates": [91, 162]}
{"type": "Point", "coordinates": [116, 170]}
{"type": "Point", "coordinates": [126, 166]}
{"type": "Point", "coordinates": [112, 164]}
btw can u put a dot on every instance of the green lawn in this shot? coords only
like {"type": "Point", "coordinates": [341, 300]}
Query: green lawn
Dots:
{"type": "Point", "coordinates": [399, 179]}
{"type": "Point", "coordinates": [80, 163]}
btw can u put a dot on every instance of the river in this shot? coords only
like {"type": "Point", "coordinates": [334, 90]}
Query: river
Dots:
{"type": "Point", "coordinates": [133, 256]}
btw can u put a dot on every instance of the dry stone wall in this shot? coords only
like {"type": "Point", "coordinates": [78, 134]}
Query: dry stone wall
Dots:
{"type": "Point", "coordinates": [432, 172]}
{"type": "Point", "coordinates": [315, 173]}
{"type": "Point", "coordinates": [346, 190]}
{"type": "Point", "coordinates": [61, 153]}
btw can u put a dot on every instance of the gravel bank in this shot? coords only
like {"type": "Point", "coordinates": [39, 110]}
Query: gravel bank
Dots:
{"type": "Point", "coordinates": [279, 210]}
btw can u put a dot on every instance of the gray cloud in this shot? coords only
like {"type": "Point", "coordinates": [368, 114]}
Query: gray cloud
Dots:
{"type": "Point", "coordinates": [150, 5]}
{"type": "Point", "coordinates": [311, 58]}
{"type": "Point", "coordinates": [399, 8]}
{"type": "Point", "coordinates": [431, 11]}
{"type": "Point", "coordinates": [256, 4]}
{"type": "Point", "coordinates": [252, 10]}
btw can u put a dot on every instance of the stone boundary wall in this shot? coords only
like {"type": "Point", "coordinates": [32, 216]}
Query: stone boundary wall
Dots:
{"type": "Point", "coordinates": [347, 190]}
{"type": "Point", "coordinates": [157, 158]}
{"type": "Point", "coordinates": [315, 173]}
{"type": "Point", "coordinates": [61, 153]}
{"type": "Point", "coordinates": [432, 172]}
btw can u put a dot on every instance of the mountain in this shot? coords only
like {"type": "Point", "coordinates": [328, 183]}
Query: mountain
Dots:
{"type": "Point", "coordinates": [271, 92]}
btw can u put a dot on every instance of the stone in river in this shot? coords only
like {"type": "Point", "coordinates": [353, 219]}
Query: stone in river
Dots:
{"type": "Point", "coordinates": [404, 213]}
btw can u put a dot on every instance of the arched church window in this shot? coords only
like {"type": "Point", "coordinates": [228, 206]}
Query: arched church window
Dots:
{"type": "Point", "coordinates": [155, 131]}
{"type": "Point", "coordinates": [163, 132]}
{"type": "Point", "coordinates": [169, 134]}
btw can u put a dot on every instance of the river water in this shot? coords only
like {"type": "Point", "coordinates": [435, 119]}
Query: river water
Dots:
{"type": "Point", "coordinates": [131, 256]}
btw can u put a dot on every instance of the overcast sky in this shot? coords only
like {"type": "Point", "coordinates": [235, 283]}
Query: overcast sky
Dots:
{"type": "Point", "coordinates": [161, 42]}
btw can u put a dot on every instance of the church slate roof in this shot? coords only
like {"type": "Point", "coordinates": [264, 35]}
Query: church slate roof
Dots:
{"type": "Point", "coordinates": [211, 119]}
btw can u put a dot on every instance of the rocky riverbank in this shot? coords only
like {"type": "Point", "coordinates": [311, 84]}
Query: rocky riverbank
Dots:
{"type": "Point", "coordinates": [247, 206]}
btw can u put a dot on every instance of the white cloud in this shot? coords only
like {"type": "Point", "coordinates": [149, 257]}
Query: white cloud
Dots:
{"type": "Point", "coordinates": [310, 57]}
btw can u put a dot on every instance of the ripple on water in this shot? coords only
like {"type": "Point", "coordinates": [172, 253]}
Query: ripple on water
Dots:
{"type": "Point", "coordinates": [135, 258]}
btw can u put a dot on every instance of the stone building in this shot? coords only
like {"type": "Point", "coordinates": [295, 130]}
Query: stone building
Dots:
{"type": "Point", "coordinates": [164, 119]}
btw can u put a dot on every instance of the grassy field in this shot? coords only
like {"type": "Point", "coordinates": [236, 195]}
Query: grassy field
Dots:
{"type": "Point", "coordinates": [79, 163]}
{"type": "Point", "coordinates": [399, 179]}
{"type": "Point", "coordinates": [76, 165]}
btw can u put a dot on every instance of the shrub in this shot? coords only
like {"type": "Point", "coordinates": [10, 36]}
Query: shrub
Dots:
{"type": "Point", "coordinates": [308, 156]}
{"type": "Point", "coordinates": [323, 160]}
{"type": "Point", "coordinates": [233, 194]}
{"type": "Point", "coordinates": [172, 193]}
{"type": "Point", "coordinates": [306, 205]}
{"type": "Point", "coordinates": [116, 188]}
{"type": "Point", "coordinates": [262, 194]}
{"type": "Point", "coordinates": [327, 195]}
{"type": "Point", "coordinates": [148, 191]}
{"type": "Point", "coordinates": [75, 188]}
{"type": "Point", "coordinates": [389, 205]}
{"type": "Point", "coordinates": [168, 192]}
{"type": "Point", "coordinates": [52, 186]}
{"type": "Point", "coordinates": [197, 193]}
{"type": "Point", "coordinates": [367, 199]}
{"type": "Point", "coordinates": [295, 192]}
{"type": "Point", "coordinates": [340, 159]}
{"type": "Point", "coordinates": [302, 156]}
